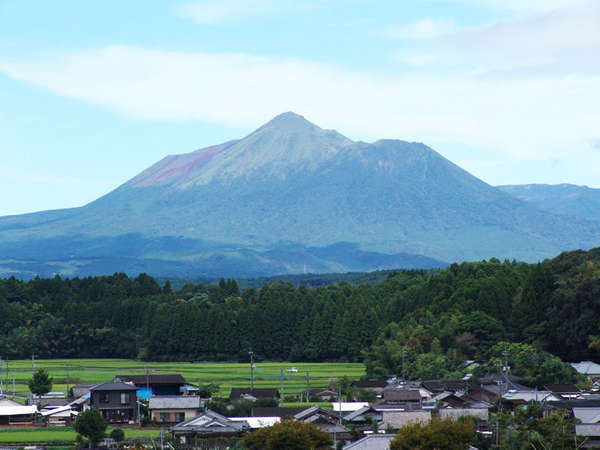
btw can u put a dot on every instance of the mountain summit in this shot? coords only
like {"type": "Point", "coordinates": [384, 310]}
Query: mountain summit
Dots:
{"type": "Point", "coordinates": [288, 143]}
{"type": "Point", "coordinates": [290, 197]}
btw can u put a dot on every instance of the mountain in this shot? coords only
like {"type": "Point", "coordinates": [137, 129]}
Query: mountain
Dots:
{"type": "Point", "coordinates": [567, 199]}
{"type": "Point", "coordinates": [289, 198]}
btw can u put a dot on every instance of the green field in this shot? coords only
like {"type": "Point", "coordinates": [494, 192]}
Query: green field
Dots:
{"type": "Point", "coordinates": [61, 435]}
{"type": "Point", "coordinates": [226, 375]}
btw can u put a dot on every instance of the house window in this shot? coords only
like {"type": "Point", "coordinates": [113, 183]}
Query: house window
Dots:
{"type": "Point", "coordinates": [105, 397]}
{"type": "Point", "coordinates": [164, 417]}
{"type": "Point", "coordinates": [179, 417]}
{"type": "Point", "coordinates": [124, 398]}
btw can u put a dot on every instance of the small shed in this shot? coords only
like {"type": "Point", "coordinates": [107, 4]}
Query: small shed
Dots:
{"type": "Point", "coordinates": [18, 415]}
{"type": "Point", "coordinates": [61, 416]}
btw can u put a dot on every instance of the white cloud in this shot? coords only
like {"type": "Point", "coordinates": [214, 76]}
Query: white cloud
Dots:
{"type": "Point", "coordinates": [417, 59]}
{"type": "Point", "coordinates": [526, 117]}
{"type": "Point", "coordinates": [220, 11]}
{"type": "Point", "coordinates": [522, 90]}
{"type": "Point", "coordinates": [518, 5]}
{"type": "Point", "coordinates": [561, 41]}
{"type": "Point", "coordinates": [421, 29]}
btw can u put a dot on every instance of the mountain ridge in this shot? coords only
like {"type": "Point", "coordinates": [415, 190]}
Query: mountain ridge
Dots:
{"type": "Point", "coordinates": [568, 199]}
{"type": "Point", "coordinates": [290, 182]}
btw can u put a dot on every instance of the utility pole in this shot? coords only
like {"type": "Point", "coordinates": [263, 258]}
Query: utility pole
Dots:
{"type": "Point", "coordinates": [505, 353]}
{"type": "Point", "coordinates": [147, 383]}
{"type": "Point", "coordinates": [68, 381]}
{"type": "Point", "coordinates": [307, 385]}
{"type": "Point", "coordinates": [251, 353]}
{"type": "Point", "coordinates": [282, 395]}
{"type": "Point", "coordinates": [33, 362]}
{"type": "Point", "coordinates": [497, 433]}
{"type": "Point", "coordinates": [403, 370]}
{"type": "Point", "coordinates": [340, 402]}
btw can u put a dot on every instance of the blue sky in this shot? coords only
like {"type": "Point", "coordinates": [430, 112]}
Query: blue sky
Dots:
{"type": "Point", "coordinates": [93, 92]}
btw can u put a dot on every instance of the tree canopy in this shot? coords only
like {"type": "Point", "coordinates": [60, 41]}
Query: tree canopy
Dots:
{"type": "Point", "coordinates": [423, 324]}
{"type": "Point", "coordinates": [40, 383]}
{"type": "Point", "coordinates": [92, 425]}
{"type": "Point", "coordinates": [437, 435]}
{"type": "Point", "coordinates": [288, 435]}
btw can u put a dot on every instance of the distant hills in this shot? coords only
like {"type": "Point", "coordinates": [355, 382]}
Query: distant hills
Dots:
{"type": "Point", "coordinates": [290, 198]}
{"type": "Point", "coordinates": [567, 199]}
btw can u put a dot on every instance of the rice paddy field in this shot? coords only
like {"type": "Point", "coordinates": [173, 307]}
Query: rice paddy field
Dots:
{"type": "Point", "coordinates": [67, 372]}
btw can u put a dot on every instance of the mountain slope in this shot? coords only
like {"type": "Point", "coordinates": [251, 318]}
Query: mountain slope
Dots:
{"type": "Point", "coordinates": [286, 199]}
{"type": "Point", "coordinates": [567, 199]}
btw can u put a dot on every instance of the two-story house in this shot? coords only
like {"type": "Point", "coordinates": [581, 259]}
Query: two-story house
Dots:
{"type": "Point", "coordinates": [116, 401]}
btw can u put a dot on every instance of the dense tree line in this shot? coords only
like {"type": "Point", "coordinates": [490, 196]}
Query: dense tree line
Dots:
{"type": "Point", "coordinates": [422, 323]}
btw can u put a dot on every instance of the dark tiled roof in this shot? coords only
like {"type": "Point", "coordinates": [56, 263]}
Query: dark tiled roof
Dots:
{"type": "Point", "coordinates": [210, 423]}
{"type": "Point", "coordinates": [394, 406]}
{"type": "Point", "coordinates": [373, 441]}
{"type": "Point", "coordinates": [236, 393]}
{"type": "Point", "coordinates": [495, 377]}
{"type": "Point", "coordinates": [321, 392]}
{"type": "Point", "coordinates": [562, 388]}
{"type": "Point", "coordinates": [113, 386]}
{"type": "Point", "coordinates": [140, 380]}
{"type": "Point", "coordinates": [447, 385]}
{"type": "Point", "coordinates": [284, 413]}
{"type": "Point", "coordinates": [354, 415]}
{"type": "Point", "coordinates": [370, 384]}
{"type": "Point", "coordinates": [316, 413]}
{"type": "Point", "coordinates": [81, 389]}
{"type": "Point", "coordinates": [402, 395]}
{"type": "Point", "coordinates": [176, 402]}
{"type": "Point", "coordinates": [574, 403]}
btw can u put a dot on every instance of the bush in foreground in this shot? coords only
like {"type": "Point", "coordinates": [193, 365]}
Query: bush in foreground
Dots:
{"type": "Point", "coordinates": [288, 435]}
{"type": "Point", "coordinates": [438, 434]}
{"type": "Point", "coordinates": [92, 425]}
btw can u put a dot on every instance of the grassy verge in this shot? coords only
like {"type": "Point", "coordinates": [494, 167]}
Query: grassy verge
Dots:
{"type": "Point", "coordinates": [62, 435]}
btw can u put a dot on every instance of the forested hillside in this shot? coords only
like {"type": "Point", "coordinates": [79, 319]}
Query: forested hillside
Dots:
{"type": "Point", "coordinates": [439, 318]}
{"type": "Point", "coordinates": [289, 198]}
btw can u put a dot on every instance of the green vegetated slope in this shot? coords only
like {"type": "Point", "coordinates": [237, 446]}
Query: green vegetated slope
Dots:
{"type": "Point", "coordinates": [289, 198]}
{"type": "Point", "coordinates": [308, 279]}
{"type": "Point", "coordinates": [458, 313]}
